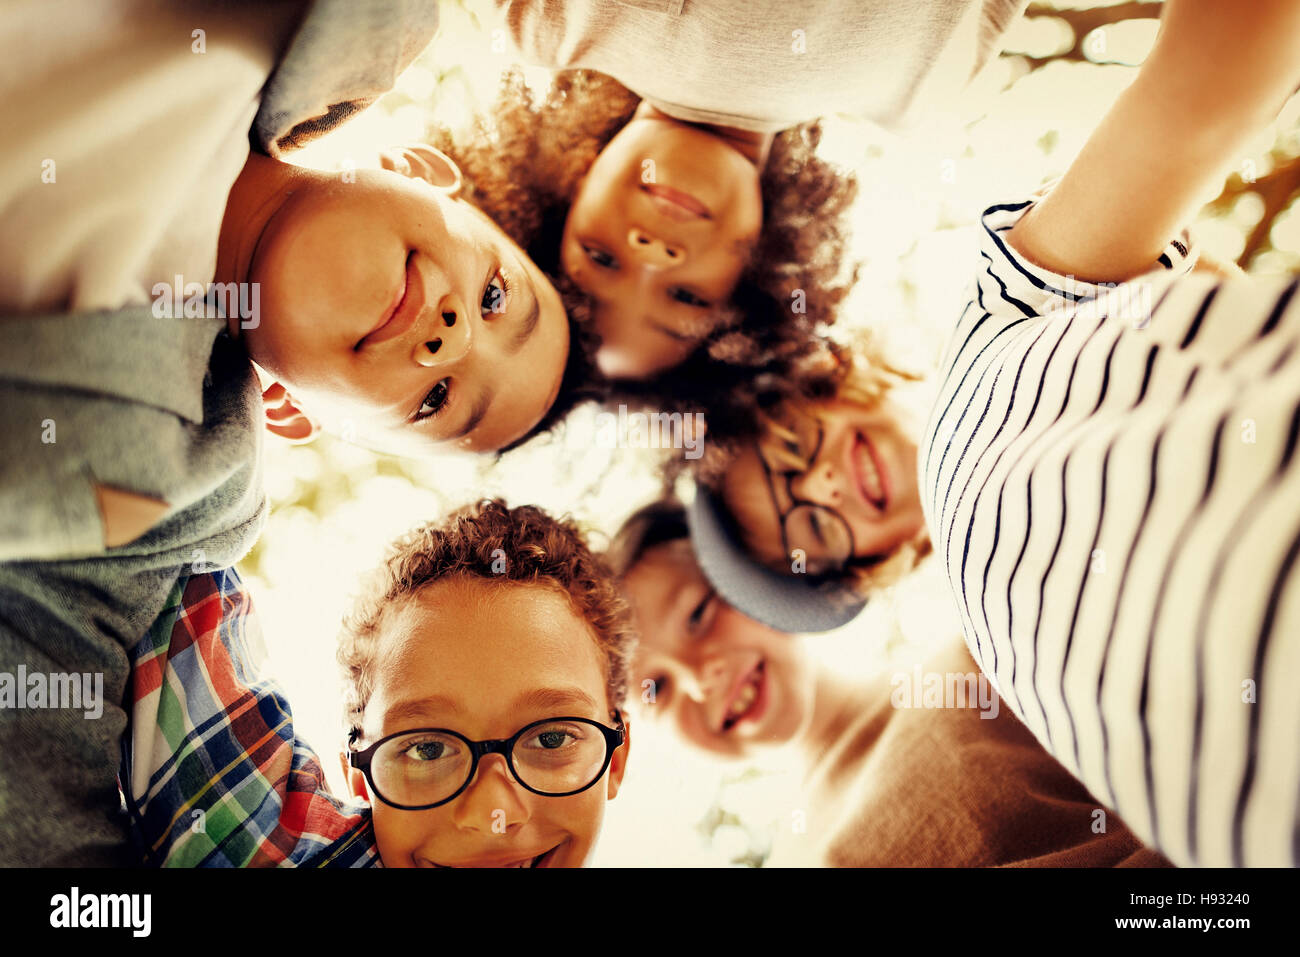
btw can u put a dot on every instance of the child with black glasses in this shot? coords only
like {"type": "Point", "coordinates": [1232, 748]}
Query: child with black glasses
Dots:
{"type": "Point", "coordinates": [484, 667]}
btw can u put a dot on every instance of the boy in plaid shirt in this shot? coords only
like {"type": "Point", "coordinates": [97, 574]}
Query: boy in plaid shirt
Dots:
{"type": "Point", "coordinates": [484, 668]}
{"type": "Point", "coordinates": [213, 772]}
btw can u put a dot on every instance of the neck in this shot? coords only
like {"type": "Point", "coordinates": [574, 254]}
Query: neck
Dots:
{"type": "Point", "coordinates": [749, 144]}
{"type": "Point", "coordinates": [260, 191]}
{"type": "Point", "coordinates": [836, 703]}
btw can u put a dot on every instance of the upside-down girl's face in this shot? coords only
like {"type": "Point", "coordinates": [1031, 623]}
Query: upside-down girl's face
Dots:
{"type": "Point", "coordinates": [659, 233]}
{"type": "Point", "coordinates": [727, 684]}
{"type": "Point", "coordinates": [836, 484]}
{"type": "Point", "coordinates": [486, 660]}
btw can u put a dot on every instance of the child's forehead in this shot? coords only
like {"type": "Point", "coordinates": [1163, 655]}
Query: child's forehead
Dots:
{"type": "Point", "coordinates": [479, 640]}
{"type": "Point", "coordinates": [665, 566]}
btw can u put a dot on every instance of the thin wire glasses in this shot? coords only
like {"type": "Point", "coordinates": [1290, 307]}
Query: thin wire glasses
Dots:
{"type": "Point", "coordinates": [818, 531]}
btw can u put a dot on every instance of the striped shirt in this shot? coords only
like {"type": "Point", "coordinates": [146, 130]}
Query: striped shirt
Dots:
{"type": "Point", "coordinates": [1108, 475]}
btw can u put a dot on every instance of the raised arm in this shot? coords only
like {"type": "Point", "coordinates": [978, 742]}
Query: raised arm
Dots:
{"type": "Point", "coordinates": [1219, 71]}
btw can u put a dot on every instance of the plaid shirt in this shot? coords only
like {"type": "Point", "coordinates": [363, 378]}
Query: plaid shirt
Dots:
{"type": "Point", "coordinates": [208, 735]}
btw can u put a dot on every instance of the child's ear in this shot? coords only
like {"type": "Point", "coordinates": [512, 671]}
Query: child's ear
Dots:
{"type": "Point", "coordinates": [422, 161]}
{"type": "Point", "coordinates": [284, 418]}
{"type": "Point", "coordinates": [355, 777]}
{"type": "Point", "coordinates": [618, 764]}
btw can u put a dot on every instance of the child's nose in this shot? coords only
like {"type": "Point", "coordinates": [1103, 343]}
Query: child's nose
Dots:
{"type": "Point", "coordinates": [653, 251]}
{"type": "Point", "coordinates": [709, 676]}
{"type": "Point", "coordinates": [819, 484]}
{"type": "Point", "coordinates": [448, 338]}
{"type": "Point", "coordinates": [492, 802]}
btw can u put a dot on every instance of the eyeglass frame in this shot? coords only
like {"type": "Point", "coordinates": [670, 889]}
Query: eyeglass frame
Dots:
{"type": "Point", "coordinates": [796, 502]}
{"type": "Point", "coordinates": [615, 738]}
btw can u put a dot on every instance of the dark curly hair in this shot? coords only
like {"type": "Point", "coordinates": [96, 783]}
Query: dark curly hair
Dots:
{"type": "Point", "coordinates": [470, 543]}
{"type": "Point", "coordinates": [522, 163]}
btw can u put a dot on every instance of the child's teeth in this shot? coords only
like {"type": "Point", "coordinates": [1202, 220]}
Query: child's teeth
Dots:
{"type": "Point", "coordinates": [745, 698]}
{"type": "Point", "coordinates": [870, 475]}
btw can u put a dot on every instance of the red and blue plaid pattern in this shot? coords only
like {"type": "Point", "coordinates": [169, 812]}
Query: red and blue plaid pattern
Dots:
{"type": "Point", "coordinates": [212, 772]}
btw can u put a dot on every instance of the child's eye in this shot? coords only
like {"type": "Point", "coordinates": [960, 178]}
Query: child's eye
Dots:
{"type": "Point", "coordinates": [553, 739]}
{"type": "Point", "coordinates": [700, 610]}
{"type": "Point", "coordinates": [688, 297]}
{"type": "Point", "coordinates": [601, 258]}
{"type": "Point", "coordinates": [660, 683]}
{"type": "Point", "coordinates": [556, 737]}
{"type": "Point", "coordinates": [425, 751]}
{"type": "Point", "coordinates": [495, 294]}
{"type": "Point", "coordinates": [435, 401]}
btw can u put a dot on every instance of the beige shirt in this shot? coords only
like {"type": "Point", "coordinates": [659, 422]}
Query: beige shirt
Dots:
{"type": "Point", "coordinates": [946, 787]}
{"type": "Point", "coordinates": [126, 123]}
{"type": "Point", "coordinates": [768, 65]}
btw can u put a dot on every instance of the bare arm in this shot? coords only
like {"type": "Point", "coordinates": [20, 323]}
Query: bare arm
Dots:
{"type": "Point", "coordinates": [1218, 72]}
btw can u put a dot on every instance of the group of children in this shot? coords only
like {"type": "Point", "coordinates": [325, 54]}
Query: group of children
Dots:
{"type": "Point", "coordinates": [638, 230]}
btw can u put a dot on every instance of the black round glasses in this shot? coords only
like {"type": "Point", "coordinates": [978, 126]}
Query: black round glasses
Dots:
{"type": "Point", "coordinates": [427, 767]}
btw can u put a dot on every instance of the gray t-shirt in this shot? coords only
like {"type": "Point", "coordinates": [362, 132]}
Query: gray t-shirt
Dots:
{"type": "Point", "coordinates": [163, 407]}
{"type": "Point", "coordinates": [768, 65]}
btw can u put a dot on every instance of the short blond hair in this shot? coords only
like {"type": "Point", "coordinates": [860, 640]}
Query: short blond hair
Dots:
{"type": "Point", "coordinates": [470, 543]}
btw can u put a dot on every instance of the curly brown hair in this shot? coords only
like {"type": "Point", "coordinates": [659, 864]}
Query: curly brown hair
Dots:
{"type": "Point", "coordinates": [522, 164]}
{"type": "Point", "coordinates": [470, 543]}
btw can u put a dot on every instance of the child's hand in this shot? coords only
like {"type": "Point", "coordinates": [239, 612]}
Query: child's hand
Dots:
{"type": "Point", "coordinates": [1218, 73]}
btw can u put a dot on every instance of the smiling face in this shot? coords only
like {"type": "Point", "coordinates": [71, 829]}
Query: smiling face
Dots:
{"type": "Point", "coordinates": [659, 233]}
{"type": "Point", "coordinates": [485, 659]}
{"type": "Point", "coordinates": [389, 304]}
{"type": "Point", "coordinates": [728, 685]}
{"type": "Point", "coordinates": [842, 486]}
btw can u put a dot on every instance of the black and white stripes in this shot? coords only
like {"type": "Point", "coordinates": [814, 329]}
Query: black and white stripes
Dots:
{"type": "Point", "coordinates": [1109, 476]}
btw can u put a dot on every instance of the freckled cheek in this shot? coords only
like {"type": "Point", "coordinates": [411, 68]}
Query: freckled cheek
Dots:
{"type": "Point", "coordinates": [730, 270]}
{"type": "Point", "coordinates": [400, 835]}
{"type": "Point", "coordinates": [284, 348]}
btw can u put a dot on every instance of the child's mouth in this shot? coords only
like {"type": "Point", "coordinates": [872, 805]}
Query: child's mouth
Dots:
{"type": "Point", "coordinates": [869, 472]}
{"type": "Point", "coordinates": [677, 204]}
{"type": "Point", "coordinates": [749, 700]}
{"type": "Point", "coordinates": [407, 303]}
{"type": "Point", "coordinates": [540, 860]}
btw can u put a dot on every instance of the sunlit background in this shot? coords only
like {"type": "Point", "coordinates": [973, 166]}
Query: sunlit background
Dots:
{"type": "Point", "coordinates": [336, 506]}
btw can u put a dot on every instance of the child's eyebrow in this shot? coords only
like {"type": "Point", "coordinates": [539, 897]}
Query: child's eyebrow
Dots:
{"type": "Point", "coordinates": [527, 327]}
{"type": "Point", "coordinates": [477, 412]}
{"type": "Point", "coordinates": [423, 708]}
{"type": "Point", "coordinates": [554, 699]}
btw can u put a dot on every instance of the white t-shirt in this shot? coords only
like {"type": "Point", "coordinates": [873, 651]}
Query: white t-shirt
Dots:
{"type": "Point", "coordinates": [768, 65]}
{"type": "Point", "coordinates": [1118, 506]}
{"type": "Point", "coordinates": [126, 124]}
